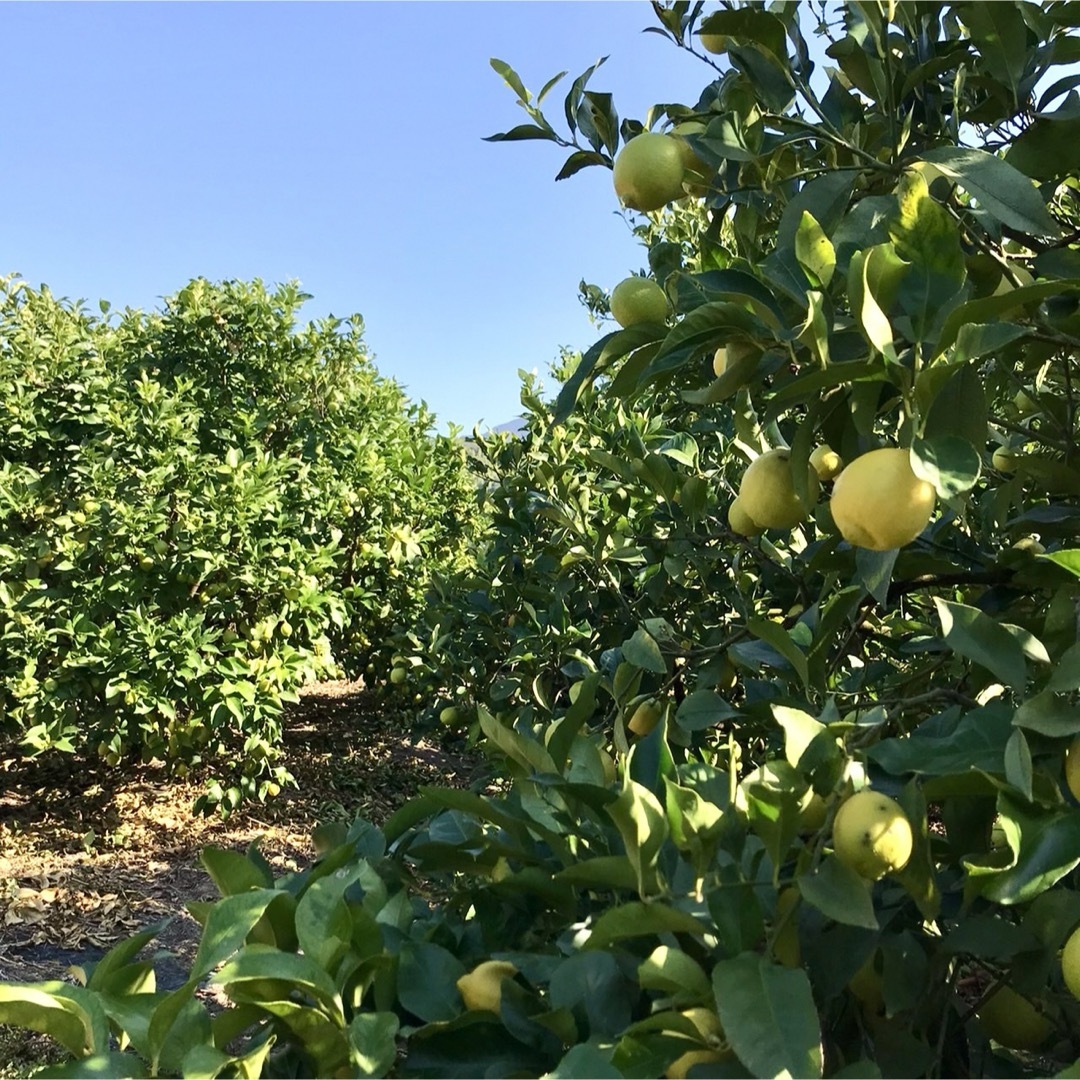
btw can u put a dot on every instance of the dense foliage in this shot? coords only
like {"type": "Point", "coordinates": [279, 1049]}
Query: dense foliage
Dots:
{"type": "Point", "coordinates": [774, 801]}
{"type": "Point", "coordinates": [201, 509]}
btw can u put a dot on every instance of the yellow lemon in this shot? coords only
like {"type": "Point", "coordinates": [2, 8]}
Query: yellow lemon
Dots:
{"type": "Point", "coordinates": [1004, 460]}
{"type": "Point", "coordinates": [646, 717]}
{"type": "Point", "coordinates": [879, 503]}
{"type": "Point", "coordinates": [1010, 1019]}
{"type": "Point", "coordinates": [866, 987]}
{"type": "Point", "coordinates": [712, 1035]}
{"type": "Point", "coordinates": [637, 300]}
{"type": "Point", "coordinates": [694, 166]}
{"type": "Point", "coordinates": [481, 988]}
{"type": "Point", "coordinates": [1070, 963]}
{"type": "Point", "coordinates": [872, 835]}
{"type": "Point", "coordinates": [1072, 767]}
{"type": "Point", "coordinates": [826, 462]}
{"type": "Point", "coordinates": [767, 492]}
{"type": "Point", "coordinates": [720, 361]}
{"type": "Point", "coordinates": [740, 521]}
{"type": "Point", "coordinates": [717, 44]}
{"type": "Point", "coordinates": [649, 171]}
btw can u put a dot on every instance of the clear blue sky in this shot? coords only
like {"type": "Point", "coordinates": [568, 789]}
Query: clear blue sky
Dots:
{"type": "Point", "coordinates": [340, 144]}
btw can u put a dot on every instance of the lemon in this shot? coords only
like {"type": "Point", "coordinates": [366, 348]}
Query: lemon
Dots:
{"type": "Point", "coordinates": [826, 462]}
{"type": "Point", "coordinates": [398, 675]}
{"type": "Point", "coordinates": [1004, 460]}
{"type": "Point", "coordinates": [879, 503]}
{"type": "Point", "coordinates": [717, 44]}
{"type": "Point", "coordinates": [1010, 1019]}
{"type": "Point", "coordinates": [740, 521]}
{"type": "Point", "coordinates": [481, 988]}
{"type": "Point", "coordinates": [1025, 404]}
{"type": "Point", "coordinates": [720, 361]}
{"type": "Point", "coordinates": [646, 717]}
{"type": "Point", "coordinates": [785, 946]}
{"type": "Point", "coordinates": [1072, 767]}
{"type": "Point", "coordinates": [449, 715]}
{"type": "Point", "coordinates": [872, 835]}
{"type": "Point", "coordinates": [866, 987]}
{"type": "Point", "coordinates": [1070, 963]}
{"type": "Point", "coordinates": [767, 493]}
{"type": "Point", "coordinates": [680, 1068]}
{"type": "Point", "coordinates": [637, 300]}
{"type": "Point", "coordinates": [649, 172]}
{"type": "Point", "coordinates": [607, 763]}
{"type": "Point", "coordinates": [1029, 544]}
{"type": "Point", "coordinates": [812, 813]}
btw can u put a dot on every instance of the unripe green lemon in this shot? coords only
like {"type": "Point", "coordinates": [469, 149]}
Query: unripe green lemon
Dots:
{"type": "Point", "coordinates": [740, 521]}
{"type": "Point", "coordinates": [481, 988]}
{"type": "Point", "coordinates": [866, 987]}
{"type": "Point", "coordinates": [879, 503]}
{"type": "Point", "coordinates": [398, 676]}
{"type": "Point", "coordinates": [872, 835]}
{"type": "Point", "coordinates": [767, 492]}
{"type": "Point", "coordinates": [1010, 1019]}
{"type": "Point", "coordinates": [638, 300]}
{"type": "Point", "coordinates": [649, 171]}
{"type": "Point", "coordinates": [812, 813]}
{"type": "Point", "coordinates": [826, 462]}
{"type": "Point", "coordinates": [1030, 545]}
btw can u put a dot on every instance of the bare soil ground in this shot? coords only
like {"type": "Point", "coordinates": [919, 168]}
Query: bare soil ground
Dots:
{"type": "Point", "coordinates": [90, 855]}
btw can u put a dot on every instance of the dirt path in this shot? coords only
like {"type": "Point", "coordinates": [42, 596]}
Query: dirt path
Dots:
{"type": "Point", "coordinates": [88, 857]}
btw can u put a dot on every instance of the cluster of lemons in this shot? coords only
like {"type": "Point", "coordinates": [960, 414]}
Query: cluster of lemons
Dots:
{"type": "Point", "coordinates": [877, 501]}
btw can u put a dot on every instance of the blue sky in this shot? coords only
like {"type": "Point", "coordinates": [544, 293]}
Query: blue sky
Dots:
{"type": "Point", "coordinates": [340, 144]}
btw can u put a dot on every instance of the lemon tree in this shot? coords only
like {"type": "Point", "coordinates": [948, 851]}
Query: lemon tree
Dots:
{"type": "Point", "coordinates": [842, 839]}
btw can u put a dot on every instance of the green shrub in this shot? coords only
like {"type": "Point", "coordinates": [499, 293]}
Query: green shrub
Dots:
{"type": "Point", "coordinates": [201, 510]}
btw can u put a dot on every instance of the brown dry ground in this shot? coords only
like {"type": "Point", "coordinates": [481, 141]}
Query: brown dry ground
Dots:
{"type": "Point", "coordinates": [90, 855]}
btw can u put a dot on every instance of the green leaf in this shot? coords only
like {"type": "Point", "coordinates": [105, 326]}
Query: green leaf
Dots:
{"type": "Point", "coordinates": [638, 919]}
{"type": "Point", "coordinates": [591, 982]}
{"type": "Point", "coordinates": [1018, 764]}
{"type": "Point", "coordinates": [227, 927]}
{"type": "Point", "coordinates": [759, 28]}
{"type": "Point", "coordinates": [976, 340]}
{"type": "Point", "coordinates": [974, 635]}
{"type": "Point", "coordinates": [769, 1016]}
{"type": "Point", "coordinates": [427, 981]}
{"type": "Point", "coordinates": [583, 1062]}
{"type": "Point", "coordinates": [233, 872]}
{"type": "Point", "coordinates": [643, 651]}
{"type": "Point", "coordinates": [1047, 843]}
{"type": "Point", "coordinates": [1068, 559]}
{"type": "Point", "coordinates": [814, 250]}
{"type": "Point", "coordinates": [1001, 190]}
{"type": "Point", "coordinates": [874, 322]}
{"type": "Point", "coordinates": [261, 973]}
{"type": "Point", "coordinates": [958, 406]}
{"type": "Point", "coordinates": [674, 973]}
{"type": "Point", "coordinates": [38, 1007]}
{"type": "Point", "coordinates": [373, 1039]}
{"type": "Point", "coordinates": [800, 730]}
{"type": "Point", "coordinates": [642, 823]}
{"type": "Point", "coordinates": [1001, 35]}
{"type": "Point", "coordinates": [927, 238]}
{"type": "Point", "coordinates": [511, 78]}
{"type": "Point", "coordinates": [528, 753]}
{"type": "Point", "coordinates": [949, 462]}
{"type": "Point", "coordinates": [109, 1066]}
{"type": "Point", "coordinates": [1048, 714]}
{"type": "Point", "coordinates": [776, 636]}
{"type": "Point", "coordinates": [839, 894]}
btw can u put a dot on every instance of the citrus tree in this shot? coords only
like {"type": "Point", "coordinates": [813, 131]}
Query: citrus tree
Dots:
{"type": "Point", "coordinates": [774, 638]}
{"type": "Point", "coordinates": [200, 510]}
